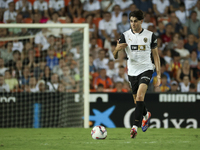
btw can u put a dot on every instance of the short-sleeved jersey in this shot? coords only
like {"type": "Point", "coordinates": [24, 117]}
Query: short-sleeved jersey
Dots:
{"type": "Point", "coordinates": [139, 50]}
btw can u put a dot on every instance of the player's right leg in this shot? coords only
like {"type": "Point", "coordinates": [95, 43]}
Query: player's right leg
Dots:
{"type": "Point", "coordinates": [139, 108]}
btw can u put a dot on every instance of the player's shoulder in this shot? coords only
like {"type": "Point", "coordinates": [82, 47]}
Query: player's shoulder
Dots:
{"type": "Point", "coordinates": [145, 31]}
{"type": "Point", "coordinates": [127, 32]}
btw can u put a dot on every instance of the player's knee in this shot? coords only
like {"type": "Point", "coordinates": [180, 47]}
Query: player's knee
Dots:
{"type": "Point", "coordinates": [140, 98]}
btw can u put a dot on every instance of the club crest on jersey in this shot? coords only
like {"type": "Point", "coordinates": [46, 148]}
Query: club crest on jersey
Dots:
{"type": "Point", "coordinates": [145, 40]}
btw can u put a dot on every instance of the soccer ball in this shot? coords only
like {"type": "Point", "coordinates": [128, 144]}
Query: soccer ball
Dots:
{"type": "Point", "coordinates": [99, 132]}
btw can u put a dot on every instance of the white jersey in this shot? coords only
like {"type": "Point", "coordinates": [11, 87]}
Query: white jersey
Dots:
{"type": "Point", "coordinates": [139, 50]}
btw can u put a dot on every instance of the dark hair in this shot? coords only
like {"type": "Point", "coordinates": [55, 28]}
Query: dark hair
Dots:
{"type": "Point", "coordinates": [100, 85]}
{"type": "Point", "coordinates": [113, 43]}
{"type": "Point", "coordinates": [138, 14]}
{"type": "Point", "coordinates": [163, 76]}
{"type": "Point", "coordinates": [124, 15]}
{"type": "Point", "coordinates": [182, 4]}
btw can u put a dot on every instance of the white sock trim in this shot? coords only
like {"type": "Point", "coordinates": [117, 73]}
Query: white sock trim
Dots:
{"type": "Point", "coordinates": [134, 126]}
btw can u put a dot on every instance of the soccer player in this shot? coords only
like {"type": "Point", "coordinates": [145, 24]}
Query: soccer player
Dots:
{"type": "Point", "coordinates": [138, 44]}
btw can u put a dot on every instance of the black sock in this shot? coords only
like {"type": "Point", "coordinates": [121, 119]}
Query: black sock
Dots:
{"type": "Point", "coordinates": [138, 112]}
{"type": "Point", "coordinates": [145, 110]}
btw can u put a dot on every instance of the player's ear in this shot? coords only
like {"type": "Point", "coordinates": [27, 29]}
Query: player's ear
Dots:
{"type": "Point", "coordinates": [141, 21]}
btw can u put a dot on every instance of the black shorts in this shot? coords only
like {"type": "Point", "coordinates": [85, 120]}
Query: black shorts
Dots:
{"type": "Point", "coordinates": [135, 81]}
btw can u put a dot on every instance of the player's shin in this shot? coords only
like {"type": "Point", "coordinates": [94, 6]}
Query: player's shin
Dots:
{"type": "Point", "coordinates": [138, 112]}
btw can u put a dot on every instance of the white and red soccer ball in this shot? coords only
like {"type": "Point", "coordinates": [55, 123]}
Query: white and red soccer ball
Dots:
{"type": "Point", "coordinates": [99, 132]}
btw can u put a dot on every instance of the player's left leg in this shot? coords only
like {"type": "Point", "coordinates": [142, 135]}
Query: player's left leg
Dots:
{"type": "Point", "coordinates": [139, 108]}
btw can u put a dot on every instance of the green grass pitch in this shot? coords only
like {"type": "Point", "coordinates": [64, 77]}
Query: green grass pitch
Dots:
{"type": "Point", "coordinates": [80, 139]}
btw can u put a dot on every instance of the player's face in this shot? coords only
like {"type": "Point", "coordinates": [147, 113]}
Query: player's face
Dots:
{"type": "Point", "coordinates": [135, 24]}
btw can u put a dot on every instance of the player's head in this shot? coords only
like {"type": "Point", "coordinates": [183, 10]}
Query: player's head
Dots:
{"type": "Point", "coordinates": [136, 18]}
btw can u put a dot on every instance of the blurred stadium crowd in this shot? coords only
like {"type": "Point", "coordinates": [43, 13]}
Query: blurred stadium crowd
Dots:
{"type": "Point", "coordinates": [49, 62]}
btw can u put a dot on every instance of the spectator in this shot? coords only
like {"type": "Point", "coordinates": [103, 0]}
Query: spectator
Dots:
{"type": "Point", "coordinates": [146, 22]}
{"type": "Point", "coordinates": [196, 72]}
{"type": "Point", "coordinates": [174, 42]}
{"type": "Point", "coordinates": [94, 48]}
{"type": "Point", "coordinates": [124, 25]}
{"type": "Point", "coordinates": [31, 61]}
{"type": "Point", "coordinates": [46, 75]}
{"type": "Point", "coordinates": [193, 59]}
{"type": "Point", "coordinates": [67, 79]}
{"type": "Point", "coordinates": [3, 86]}
{"type": "Point", "coordinates": [18, 69]}
{"type": "Point", "coordinates": [181, 13]}
{"type": "Point", "coordinates": [2, 67]}
{"type": "Point", "coordinates": [121, 76]}
{"type": "Point", "coordinates": [32, 85]}
{"type": "Point", "coordinates": [127, 86]}
{"type": "Point", "coordinates": [41, 86]}
{"type": "Point", "coordinates": [176, 25]}
{"type": "Point", "coordinates": [12, 82]}
{"type": "Point", "coordinates": [59, 52]}
{"type": "Point", "coordinates": [100, 88]}
{"type": "Point", "coordinates": [197, 9]}
{"type": "Point", "coordinates": [15, 31]}
{"type": "Point", "coordinates": [164, 72]}
{"type": "Point", "coordinates": [111, 49]}
{"type": "Point", "coordinates": [184, 53]}
{"type": "Point", "coordinates": [103, 79]}
{"type": "Point", "coordinates": [101, 61]}
{"type": "Point", "coordinates": [185, 84]}
{"type": "Point", "coordinates": [167, 57]}
{"type": "Point", "coordinates": [17, 45]}
{"type": "Point", "coordinates": [117, 14]}
{"type": "Point", "coordinates": [58, 68]}
{"type": "Point", "coordinates": [107, 28]}
{"type": "Point", "coordinates": [10, 14]}
{"type": "Point", "coordinates": [24, 7]}
{"type": "Point", "coordinates": [25, 76]}
{"type": "Point", "coordinates": [75, 8]}
{"type": "Point", "coordinates": [51, 59]}
{"type": "Point", "coordinates": [107, 5]}
{"type": "Point", "coordinates": [131, 8]}
{"type": "Point", "coordinates": [3, 32]}
{"type": "Point", "coordinates": [57, 6]}
{"type": "Point", "coordinates": [119, 88]}
{"type": "Point", "coordinates": [144, 5]}
{"type": "Point", "coordinates": [53, 84]}
{"type": "Point", "coordinates": [174, 87]}
{"type": "Point", "coordinates": [91, 64]}
{"type": "Point", "coordinates": [111, 71]}
{"type": "Point", "coordinates": [54, 20]}
{"type": "Point", "coordinates": [41, 6]}
{"type": "Point", "coordinates": [190, 5]}
{"type": "Point", "coordinates": [192, 24]}
{"type": "Point", "coordinates": [174, 5]}
{"type": "Point", "coordinates": [161, 7]}
{"type": "Point", "coordinates": [164, 87]}
{"type": "Point", "coordinates": [167, 36]}
{"type": "Point", "coordinates": [61, 88]}
{"type": "Point", "coordinates": [3, 5]}
{"type": "Point", "coordinates": [39, 70]}
{"type": "Point", "coordinates": [92, 26]}
{"type": "Point", "coordinates": [161, 28]}
{"type": "Point", "coordinates": [124, 4]}
{"type": "Point", "coordinates": [37, 18]}
{"type": "Point", "coordinates": [12, 63]}
{"type": "Point", "coordinates": [191, 45]}
{"type": "Point", "coordinates": [176, 65]}
{"type": "Point", "coordinates": [184, 71]}
{"type": "Point", "coordinates": [198, 50]}
{"type": "Point", "coordinates": [192, 87]}
{"type": "Point", "coordinates": [198, 86]}
{"type": "Point", "coordinates": [6, 53]}
{"type": "Point", "coordinates": [197, 38]}
{"type": "Point", "coordinates": [91, 7]}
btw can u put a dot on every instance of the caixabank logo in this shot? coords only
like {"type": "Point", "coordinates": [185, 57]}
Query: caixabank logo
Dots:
{"type": "Point", "coordinates": [4, 99]}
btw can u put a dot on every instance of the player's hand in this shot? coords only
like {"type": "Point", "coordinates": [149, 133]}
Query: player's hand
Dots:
{"type": "Point", "coordinates": [121, 46]}
{"type": "Point", "coordinates": [158, 81]}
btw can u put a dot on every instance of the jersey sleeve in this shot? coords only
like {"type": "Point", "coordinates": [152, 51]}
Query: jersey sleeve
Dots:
{"type": "Point", "coordinates": [153, 41]}
{"type": "Point", "coordinates": [122, 39]}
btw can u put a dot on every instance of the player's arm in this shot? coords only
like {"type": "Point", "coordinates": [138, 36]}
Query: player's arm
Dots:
{"type": "Point", "coordinates": [121, 44]}
{"type": "Point", "coordinates": [156, 58]}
